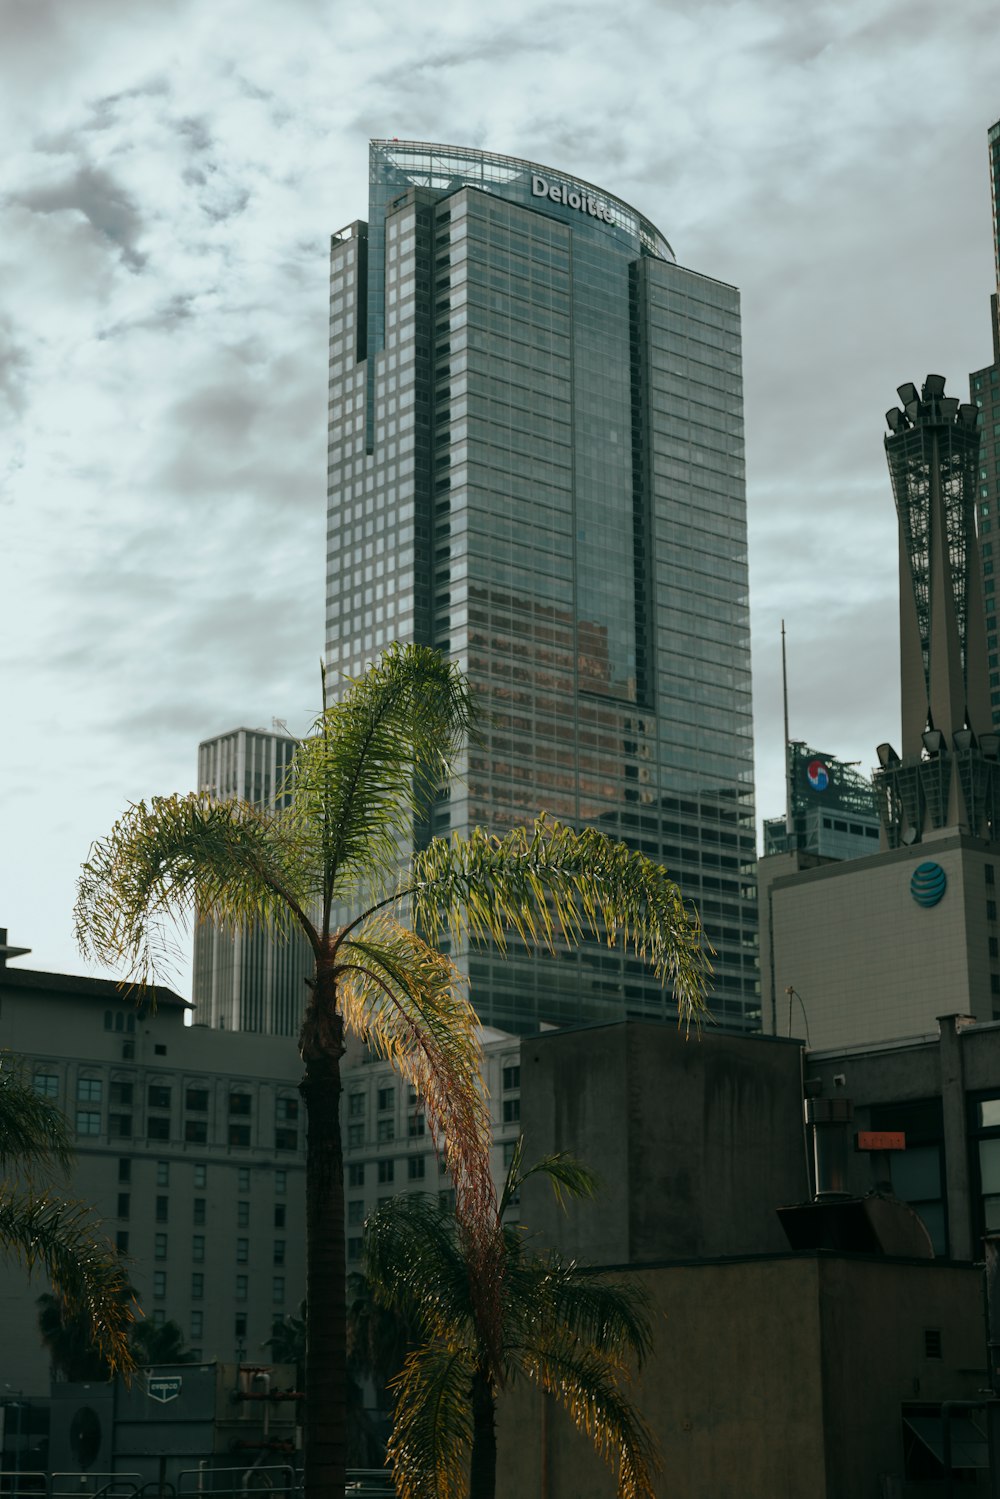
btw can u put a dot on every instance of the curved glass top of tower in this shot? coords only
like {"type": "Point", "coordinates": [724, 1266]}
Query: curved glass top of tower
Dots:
{"type": "Point", "coordinates": [397, 165]}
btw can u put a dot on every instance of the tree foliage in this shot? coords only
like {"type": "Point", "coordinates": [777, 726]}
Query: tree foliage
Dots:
{"type": "Point", "coordinates": [43, 1230]}
{"type": "Point", "coordinates": [335, 859]}
{"type": "Point", "coordinates": [572, 1332]}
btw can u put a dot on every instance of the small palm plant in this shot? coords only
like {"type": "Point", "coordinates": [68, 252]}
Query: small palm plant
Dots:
{"type": "Point", "coordinates": [42, 1229]}
{"type": "Point", "coordinates": [568, 1330]}
{"type": "Point", "coordinates": [330, 861]}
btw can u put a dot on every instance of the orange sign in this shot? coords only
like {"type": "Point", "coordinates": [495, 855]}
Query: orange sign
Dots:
{"type": "Point", "coordinates": [880, 1139]}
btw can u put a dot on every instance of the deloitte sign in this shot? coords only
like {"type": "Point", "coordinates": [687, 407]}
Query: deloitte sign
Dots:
{"type": "Point", "coordinates": [573, 197]}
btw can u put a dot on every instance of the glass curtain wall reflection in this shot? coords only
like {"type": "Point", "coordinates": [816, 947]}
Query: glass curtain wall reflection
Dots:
{"type": "Point", "coordinates": [536, 465]}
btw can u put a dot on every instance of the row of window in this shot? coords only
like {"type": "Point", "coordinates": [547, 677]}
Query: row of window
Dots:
{"type": "Point", "coordinates": [198, 1249]}
{"type": "Point", "coordinates": [159, 1096]}
{"type": "Point", "coordinates": [198, 1287]}
{"type": "Point", "coordinates": [199, 1211]}
{"type": "Point", "coordinates": [243, 1177]}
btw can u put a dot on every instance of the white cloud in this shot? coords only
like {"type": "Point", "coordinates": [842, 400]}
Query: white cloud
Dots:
{"type": "Point", "coordinates": [171, 173]}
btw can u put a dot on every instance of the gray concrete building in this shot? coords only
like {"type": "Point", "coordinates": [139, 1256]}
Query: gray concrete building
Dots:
{"type": "Point", "coordinates": [870, 949]}
{"type": "Point", "coordinates": [189, 1142]}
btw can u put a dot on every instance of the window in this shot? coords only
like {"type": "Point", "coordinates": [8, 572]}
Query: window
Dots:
{"type": "Point", "coordinates": [286, 1139]}
{"type": "Point", "coordinates": [239, 1135]}
{"type": "Point", "coordinates": [163, 1173]}
{"type": "Point", "coordinates": [240, 1104]}
{"type": "Point", "coordinates": [353, 1249]}
{"type": "Point", "coordinates": [386, 1098]}
{"type": "Point", "coordinates": [124, 1170]}
{"type": "Point", "coordinates": [198, 1210]}
{"type": "Point", "coordinates": [157, 1128]}
{"type": "Point", "coordinates": [415, 1168]}
{"type": "Point", "coordinates": [386, 1171]}
{"type": "Point", "coordinates": [196, 1132]}
{"type": "Point", "coordinates": [197, 1324]}
{"type": "Point", "coordinates": [991, 910]}
{"type": "Point", "coordinates": [356, 1211]}
{"type": "Point", "coordinates": [89, 1090]}
{"type": "Point", "coordinates": [287, 1110]}
{"type": "Point", "coordinates": [278, 1290]}
{"type": "Point", "coordinates": [120, 1126]}
{"type": "Point", "coordinates": [242, 1251]}
{"type": "Point", "coordinates": [124, 1204]}
{"type": "Point", "coordinates": [196, 1099]}
{"type": "Point", "coordinates": [159, 1316]}
{"type": "Point", "coordinates": [447, 1197]}
{"type": "Point", "coordinates": [280, 1182]}
{"type": "Point", "coordinates": [990, 870]}
{"type": "Point", "coordinates": [121, 1241]}
{"type": "Point", "coordinates": [159, 1284]}
{"type": "Point", "coordinates": [511, 1078]}
{"type": "Point", "coordinates": [197, 1285]}
{"type": "Point", "coordinates": [279, 1215]}
{"type": "Point", "coordinates": [120, 1095]}
{"type": "Point", "coordinates": [158, 1096]}
{"type": "Point", "coordinates": [159, 1246]}
{"type": "Point", "coordinates": [415, 1126]}
{"type": "Point", "coordinates": [241, 1287]}
{"type": "Point", "coordinates": [356, 1174]}
{"type": "Point", "coordinates": [162, 1209]}
{"type": "Point", "coordinates": [278, 1256]}
{"type": "Point", "coordinates": [46, 1084]}
{"type": "Point", "coordinates": [240, 1325]}
{"type": "Point", "coordinates": [243, 1179]}
{"type": "Point", "coordinates": [88, 1122]}
{"type": "Point", "coordinates": [511, 1110]}
{"type": "Point", "coordinates": [355, 1105]}
{"type": "Point", "coordinates": [198, 1248]}
{"type": "Point", "coordinates": [508, 1151]}
{"type": "Point", "coordinates": [200, 1176]}
{"type": "Point", "coordinates": [356, 1136]}
{"type": "Point", "coordinates": [386, 1130]}
{"type": "Point", "coordinates": [242, 1215]}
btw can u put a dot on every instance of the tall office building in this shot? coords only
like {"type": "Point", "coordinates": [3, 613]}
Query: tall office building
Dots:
{"type": "Point", "coordinates": [536, 465]}
{"type": "Point", "coordinates": [243, 980]}
{"type": "Point", "coordinates": [984, 387]}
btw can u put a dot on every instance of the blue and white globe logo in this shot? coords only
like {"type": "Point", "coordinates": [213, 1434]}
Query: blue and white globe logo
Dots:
{"type": "Point", "coordinates": [928, 883]}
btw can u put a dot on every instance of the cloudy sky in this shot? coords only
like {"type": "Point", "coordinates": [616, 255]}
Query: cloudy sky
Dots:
{"type": "Point", "coordinates": [171, 172]}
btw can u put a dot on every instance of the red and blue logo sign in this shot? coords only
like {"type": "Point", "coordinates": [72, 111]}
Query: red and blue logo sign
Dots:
{"type": "Point", "coordinates": [819, 776]}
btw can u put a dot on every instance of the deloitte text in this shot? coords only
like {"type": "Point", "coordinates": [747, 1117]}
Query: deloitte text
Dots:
{"type": "Point", "coordinates": [571, 197]}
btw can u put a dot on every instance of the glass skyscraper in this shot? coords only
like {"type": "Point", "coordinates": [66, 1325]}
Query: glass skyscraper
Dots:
{"type": "Point", "coordinates": [536, 465]}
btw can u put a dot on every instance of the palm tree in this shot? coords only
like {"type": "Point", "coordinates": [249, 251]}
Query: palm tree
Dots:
{"type": "Point", "coordinates": [568, 1330]}
{"type": "Point", "coordinates": [43, 1229]}
{"type": "Point", "coordinates": [331, 862]}
{"type": "Point", "coordinates": [160, 1343]}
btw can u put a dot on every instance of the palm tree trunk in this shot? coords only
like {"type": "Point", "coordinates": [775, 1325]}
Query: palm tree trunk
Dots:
{"type": "Point", "coordinates": [325, 1436]}
{"type": "Point", "coordinates": [483, 1468]}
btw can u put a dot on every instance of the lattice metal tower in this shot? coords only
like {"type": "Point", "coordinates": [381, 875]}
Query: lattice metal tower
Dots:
{"type": "Point", "coordinates": [933, 456]}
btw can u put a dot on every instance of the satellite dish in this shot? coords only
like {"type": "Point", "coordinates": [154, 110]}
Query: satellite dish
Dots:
{"type": "Point", "coordinates": [909, 834]}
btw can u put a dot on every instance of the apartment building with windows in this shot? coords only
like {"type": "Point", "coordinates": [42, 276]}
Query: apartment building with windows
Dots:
{"type": "Point", "coordinates": [189, 1142]}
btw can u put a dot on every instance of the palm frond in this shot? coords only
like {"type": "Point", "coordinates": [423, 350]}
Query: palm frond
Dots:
{"type": "Point", "coordinates": [432, 1433]}
{"type": "Point", "coordinates": [568, 1176]}
{"type": "Point", "coordinates": [549, 883]}
{"type": "Point", "coordinates": [407, 1001]}
{"type": "Point", "coordinates": [414, 1264]}
{"type": "Point", "coordinates": [63, 1238]}
{"type": "Point", "coordinates": [611, 1317]}
{"type": "Point", "coordinates": [372, 760]}
{"type": "Point", "coordinates": [32, 1129]}
{"type": "Point", "coordinates": [229, 861]}
{"type": "Point", "coordinates": [589, 1387]}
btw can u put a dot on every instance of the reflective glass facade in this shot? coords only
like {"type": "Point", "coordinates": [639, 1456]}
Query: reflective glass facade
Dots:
{"type": "Point", "coordinates": [536, 464]}
{"type": "Point", "coordinates": [245, 980]}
